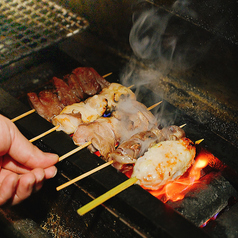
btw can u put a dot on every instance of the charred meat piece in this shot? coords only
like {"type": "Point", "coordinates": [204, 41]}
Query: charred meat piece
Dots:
{"type": "Point", "coordinates": [74, 85]}
{"type": "Point", "coordinates": [46, 103]}
{"type": "Point", "coordinates": [87, 80]}
{"type": "Point", "coordinates": [164, 162]}
{"type": "Point", "coordinates": [129, 151]}
{"type": "Point", "coordinates": [102, 81]}
{"type": "Point", "coordinates": [65, 95]}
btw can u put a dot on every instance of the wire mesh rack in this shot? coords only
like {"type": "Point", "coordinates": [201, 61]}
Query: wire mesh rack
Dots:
{"type": "Point", "coordinates": [27, 26]}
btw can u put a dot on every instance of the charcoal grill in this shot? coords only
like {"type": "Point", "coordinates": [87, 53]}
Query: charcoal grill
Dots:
{"type": "Point", "coordinates": [134, 212]}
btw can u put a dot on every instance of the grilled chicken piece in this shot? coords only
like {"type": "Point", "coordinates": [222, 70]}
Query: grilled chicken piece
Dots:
{"type": "Point", "coordinates": [83, 112]}
{"type": "Point", "coordinates": [115, 92]}
{"type": "Point", "coordinates": [92, 108]}
{"type": "Point", "coordinates": [164, 162]}
{"type": "Point", "coordinates": [47, 104]}
{"type": "Point", "coordinates": [134, 117]}
{"type": "Point", "coordinates": [102, 133]}
{"type": "Point", "coordinates": [105, 133]}
{"type": "Point", "coordinates": [130, 150]}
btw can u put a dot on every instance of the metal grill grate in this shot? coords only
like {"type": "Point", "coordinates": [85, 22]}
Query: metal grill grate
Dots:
{"type": "Point", "coordinates": [27, 26]}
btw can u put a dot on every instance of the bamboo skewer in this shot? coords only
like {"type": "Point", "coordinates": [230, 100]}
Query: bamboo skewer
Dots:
{"type": "Point", "coordinates": [74, 151]}
{"type": "Point", "coordinates": [106, 196]}
{"type": "Point", "coordinates": [44, 134]}
{"type": "Point", "coordinates": [83, 176]}
{"type": "Point", "coordinates": [131, 86]}
{"type": "Point", "coordinates": [153, 106]}
{"type": "Point", "coordinates": [106, 75]}
{"type": "Point", "coordinates": [23, 115]}
{"type": "Point", "coordinates": [199, 141]}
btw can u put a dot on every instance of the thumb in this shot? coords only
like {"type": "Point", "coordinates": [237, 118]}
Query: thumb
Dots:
{"type": "Point", "coordinates": [23, 151]}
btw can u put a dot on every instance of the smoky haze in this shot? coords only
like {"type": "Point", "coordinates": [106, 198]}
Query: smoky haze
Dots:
{"type": "Point", "coordinates": [161, 43]}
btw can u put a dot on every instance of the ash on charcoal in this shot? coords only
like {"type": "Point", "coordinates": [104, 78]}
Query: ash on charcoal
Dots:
{"type": "Point", "coordinates": [205, 199]}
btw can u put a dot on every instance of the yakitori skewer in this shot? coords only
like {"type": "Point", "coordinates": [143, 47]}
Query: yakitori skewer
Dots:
{"type": "Point", "coordinates": [23, 115]}
{"type": "Point", "coordinates": [83, 176]}
{"type": "Point", "coordinates": [44, 134]}
{"type": "Point", "coordinates": [101, 199]}
{"type": "Point", "coordinates": [33, 110]}
{"type": "Point", "coordinates": [87, 174]}
{"type": "Point", "coordinates": [96, 169]}
{"type": "Point", "coordinates": [106, 196]}
{"type": "Point", "coordinates": [74, 151]}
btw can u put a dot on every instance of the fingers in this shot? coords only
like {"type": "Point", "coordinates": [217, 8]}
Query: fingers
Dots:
{"type": "Point", "coordinates": [7, 188]}
{"type": "Point", "coordinates": [19, 148]}
{"type": "Point", "coordinates": [15, 188]}
{"type": "Point", "coordinates": [50, 172]}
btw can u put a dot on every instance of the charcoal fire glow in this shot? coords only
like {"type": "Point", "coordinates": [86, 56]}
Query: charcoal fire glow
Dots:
{"type": "Point", "coordinates": [176, 190]}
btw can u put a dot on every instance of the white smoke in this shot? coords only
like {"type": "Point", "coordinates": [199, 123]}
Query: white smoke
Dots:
{"type": "Point", "coordinates": [160, 45]}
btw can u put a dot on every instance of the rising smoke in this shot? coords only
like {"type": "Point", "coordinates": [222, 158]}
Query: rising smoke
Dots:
{"type": "Point", "coordinates": [161, 43]}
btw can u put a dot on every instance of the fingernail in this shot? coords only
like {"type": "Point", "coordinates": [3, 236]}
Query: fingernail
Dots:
{"type": "Point", "coordinates": [52, 156]}
{"type": "Point", "coordinates": [54, 173]}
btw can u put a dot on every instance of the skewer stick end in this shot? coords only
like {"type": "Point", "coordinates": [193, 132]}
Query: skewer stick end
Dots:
{"type": "Point", "coordinates": [153, 106]}
{"type": "Point", "coordinates": [106, 196]}
{"type": "Point", "coordinates": [199, 141]}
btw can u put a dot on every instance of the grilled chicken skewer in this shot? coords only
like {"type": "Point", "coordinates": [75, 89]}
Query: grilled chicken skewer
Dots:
{"type": "Point", "coordinates": [92, 108]}
{"type": "Point", "coordinates": [151, 170]}
{"type": "Point", "coordinates": [129, 151]}
{"type": "Point", "coordinates": [130, 118]}
{"type": "Point", "coordinates": [80, 84]}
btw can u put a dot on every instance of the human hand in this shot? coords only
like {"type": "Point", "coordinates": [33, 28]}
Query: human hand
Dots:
{"type": "Point", "coordinates": [23, 167]}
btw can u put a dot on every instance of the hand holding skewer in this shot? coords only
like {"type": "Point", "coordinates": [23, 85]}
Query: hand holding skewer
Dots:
{"type": "Point", "coordinates": [24, 167]}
